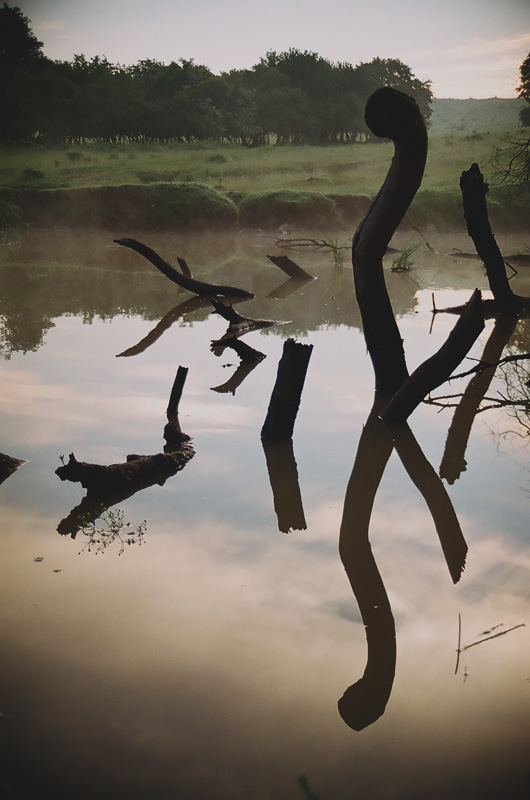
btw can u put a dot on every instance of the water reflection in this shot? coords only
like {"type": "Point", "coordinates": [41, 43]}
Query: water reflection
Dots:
{"type": "Point", "coordinates": [212, 659]}
{"type": "Point", "coordinates": [283, 476]}
{"type": "Point", "coordinates": [365, 701]}
{"type": "Point", "coordinates": [453, 462]}
{"type": "Point", "coordinates": [109, 485]}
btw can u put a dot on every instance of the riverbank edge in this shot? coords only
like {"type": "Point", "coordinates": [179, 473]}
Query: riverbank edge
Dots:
{"type": "Point", "coordinates": [196, 207]}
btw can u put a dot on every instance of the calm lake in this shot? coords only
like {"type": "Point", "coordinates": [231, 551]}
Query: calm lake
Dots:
{"type": "Point", "coordinates": [207, 658]}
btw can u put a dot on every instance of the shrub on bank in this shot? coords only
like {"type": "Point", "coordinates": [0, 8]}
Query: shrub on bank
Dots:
{"type": "Point", "coordinates": [175, 206]}
{"type": "Point", "coordinates": [271, 209]}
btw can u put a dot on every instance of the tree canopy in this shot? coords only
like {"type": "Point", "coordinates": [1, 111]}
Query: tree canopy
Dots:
{"type": "Point", "coordinates": [512, 158]}
{"type": "Point", "coordinates": [290, 97]}
{"type": "Point", "coordinates": [523, 90]}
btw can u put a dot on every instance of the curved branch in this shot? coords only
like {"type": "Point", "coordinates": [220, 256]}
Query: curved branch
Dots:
{"type": "Point", "coordinates": [197, 287]}
{"type": "Point", "coordinates": [396, 116]}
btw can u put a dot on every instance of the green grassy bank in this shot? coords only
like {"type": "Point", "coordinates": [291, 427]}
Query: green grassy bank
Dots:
{"type": "Point", "coordinates": [178, 187]}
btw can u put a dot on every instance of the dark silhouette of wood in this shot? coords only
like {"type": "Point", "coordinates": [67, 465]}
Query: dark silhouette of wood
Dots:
{"type": "Point", "coordinates": [187, 307]}
{"type": "Point", "coordinates": [283, 476]}
{"type": "Point", "coordinates": [288, 287]}
{"type": "Point", "coordinates": [474, 190]}
{"type": "Point", "coordinates": [394, 115]}
{"type": "Point", "coordinates": [291, 268]}
{"type": "Point", "coordinates": [424, 477]}
{"type": "Point", "coordinates": [287, 392]}
{"type": "Point", "coordinates": [239, 325]}
{"type": "Point", "coordinates": [438, 368]}
{"type": "Point", "coordinates": [8, 465]}
{"type": "Point", "coordinates": [110, 484]}
{"type": "Point", "coordinates": [175, 438]}
{"type": "Point", "coordinates": [197, 287]}
{"type": "Point", "coordinates": [250, 358]}
{"type": "Point", "coordinates": [136, 473]}
{"type": "Point", "coordinates": [453, 461]}
{"type": "Point", "coordinates": [365, 701]}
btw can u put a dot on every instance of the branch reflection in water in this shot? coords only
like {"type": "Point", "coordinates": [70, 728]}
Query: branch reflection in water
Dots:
{"type": "Point", "coordinates": [365, 701]}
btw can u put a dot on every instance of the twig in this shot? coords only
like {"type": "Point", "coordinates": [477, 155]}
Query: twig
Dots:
{"type": "Point", "coordinates": [458, 648]}
{"type": "Point", "coordinates": [473, 644]}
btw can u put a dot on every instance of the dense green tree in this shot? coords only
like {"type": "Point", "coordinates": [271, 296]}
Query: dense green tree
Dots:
{"type": "Point", "coordinates": [371, 75]}
{"type": "Point", "coordinates": [18, 43]}
{"type": "Point", "coordinates": [511, 159]}
{"type": "Point", "coordinates": [523, 90]}
{"type": "Point", "coordinates": [289, 97]}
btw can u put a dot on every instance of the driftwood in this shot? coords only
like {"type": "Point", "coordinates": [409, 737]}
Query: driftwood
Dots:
{"type": "Point", "coordinates": [197, 287]}
{"type": "Point", "coordinates": [291, 268]}
{"type": "Point", "coordinates": [136, 473]}
{"type": "Point", "coordinates": [287, 391]}
{"type": "Point", "coordinates": [239, 325]}
{"type": "Point", "coordinates": [8, 465]}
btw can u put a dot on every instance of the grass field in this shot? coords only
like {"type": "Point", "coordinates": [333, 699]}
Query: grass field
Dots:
{"type": "Point", "coordinates": [463, 132]}
{"type": "Point", "coordinates": [343, 169]}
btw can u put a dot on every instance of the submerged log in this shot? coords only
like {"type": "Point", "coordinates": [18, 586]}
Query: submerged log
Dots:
{"type": "Point", "coordinates": [291, 268]}
{"type": "Point", "coordinates": [287, 392]}
{"type": "Point", "coordinates": [197, 287]}
{"type": "Point", "coordinates": [8, 465]}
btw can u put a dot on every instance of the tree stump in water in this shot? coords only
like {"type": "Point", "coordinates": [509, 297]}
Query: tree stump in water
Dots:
{"type": "Point", "coordinates": [285, 398]}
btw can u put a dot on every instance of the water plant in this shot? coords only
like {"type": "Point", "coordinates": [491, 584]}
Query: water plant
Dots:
{"type": "Point", "coordinates": [403, 261]}
{"type": "Point", "coordinates": [113, 529]}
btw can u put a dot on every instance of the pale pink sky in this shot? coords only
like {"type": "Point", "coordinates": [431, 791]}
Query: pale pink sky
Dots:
{"type": "Point", "coordinates": [466, 47]}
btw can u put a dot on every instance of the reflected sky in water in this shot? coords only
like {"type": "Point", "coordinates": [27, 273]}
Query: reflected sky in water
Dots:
{"type": "Point", "coordinates": [208, 662]}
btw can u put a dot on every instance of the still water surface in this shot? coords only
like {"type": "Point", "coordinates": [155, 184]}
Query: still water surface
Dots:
{"type": "Point", "coordinates": [208, 661]}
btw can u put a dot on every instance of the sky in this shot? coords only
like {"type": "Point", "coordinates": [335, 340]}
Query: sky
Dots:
{"type": "Point", "coordinates": [467, 48]}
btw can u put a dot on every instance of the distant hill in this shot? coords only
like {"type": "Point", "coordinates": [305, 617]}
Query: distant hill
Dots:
{"type": "Point", "coordinates": [496, 115]}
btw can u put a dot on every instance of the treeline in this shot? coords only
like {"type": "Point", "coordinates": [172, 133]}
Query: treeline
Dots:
{"type": "Point", "coordinates": [290, 97]}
